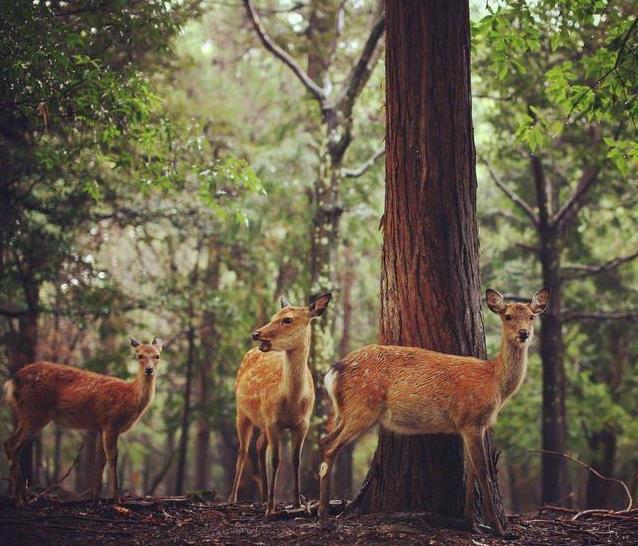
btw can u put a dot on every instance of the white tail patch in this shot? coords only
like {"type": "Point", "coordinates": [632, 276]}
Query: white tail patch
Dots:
{"type": "Point", "coordinates": [323, 470]}
{"type": "Point", "coordinates": [330, 381]}
{"type": "Point", "coordinates": [9, 393]}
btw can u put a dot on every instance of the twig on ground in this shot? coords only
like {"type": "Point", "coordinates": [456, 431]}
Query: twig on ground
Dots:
{"type": "Point", "coordinates": [59, 481]}
{"type": "Point", "coordinates": [630, 500]}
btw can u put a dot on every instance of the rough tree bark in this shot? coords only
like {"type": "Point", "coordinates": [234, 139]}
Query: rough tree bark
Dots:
{"type": "Point", "coordinates": [430, 288]}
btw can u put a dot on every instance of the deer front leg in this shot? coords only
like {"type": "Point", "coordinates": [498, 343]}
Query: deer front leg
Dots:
{"type": "Point", "coordinates": [99, 467]}
{"type": "Point", "coordinates": [262, 448]}
{"type": "Point", "coordinates": [298, 435]}
{"type": "Point", "coordinates": [475, 448]}
{"type": "Point", "coordinates": [109, 439]}
{"type": "Point", "coordinates": [274, 442]}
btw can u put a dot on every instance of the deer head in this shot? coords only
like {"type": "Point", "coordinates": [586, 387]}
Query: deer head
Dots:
{"type": "Point", "coordinates": [517, 319]}
{"type": "Point", "coordinates": [147, 355]}
{"type": "Point", "coordinates": [289, 327]}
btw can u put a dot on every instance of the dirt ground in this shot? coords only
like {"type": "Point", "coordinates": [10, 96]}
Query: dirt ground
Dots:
{"type": "Point", "coordinates": [189, 521]}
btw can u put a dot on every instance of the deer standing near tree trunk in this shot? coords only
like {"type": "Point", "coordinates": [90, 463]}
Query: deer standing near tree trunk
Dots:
{"type": "Point", "coordinates": [409, 390]}
{"type": "Point", "coordinates": [275, 392]}
{"type": "Point", "coordinates": [79, 399]}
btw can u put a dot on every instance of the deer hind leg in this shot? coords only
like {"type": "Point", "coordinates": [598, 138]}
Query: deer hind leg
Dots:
{"type": "Point", "coordinates": [244, 432]}
{"type": "Point", "coordinates": [331, 444]}
{"type": "Point", "coordinates": [262, 448]}
{"type": "Point", "coordinates": [298, 435]}
{"type": "Point", "coordinates": [470, 478]}
{"type": "Point", "coordinates": [25, 430]}
{"type": "Point", "coordinates": [474, 440]}
{"type": "Point", "coordinates": [99, 467]}
{"type": "Point", "coordinates": [109, 441]}
{"type": "Point", "coordinates": [273, 433]}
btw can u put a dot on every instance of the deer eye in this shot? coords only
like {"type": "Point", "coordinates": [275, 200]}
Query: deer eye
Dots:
{"type": "Point", "coordinates": [156, 357]}
{"type": "Point", "coordinates": [531, 317]}
{"type": "Point", "coordinates": [287, 320]}
{"type": "Point", "coordinates": [508, 317]}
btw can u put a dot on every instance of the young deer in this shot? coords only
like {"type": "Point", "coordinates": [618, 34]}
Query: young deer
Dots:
{"type": "Point", "coordinates": [415, 391]}
{"type": "Point", "coordinates": [79, 399]}
{"type": "Point", "coordinates": [275, 391]}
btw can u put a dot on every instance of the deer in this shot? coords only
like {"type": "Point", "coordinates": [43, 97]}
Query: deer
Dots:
{"type": "Point", "coordinates": [275, 392]}
{"type": "Point", "coordinates": [410, 390]}
{"type": "Point", "coordinates": [79, 399]}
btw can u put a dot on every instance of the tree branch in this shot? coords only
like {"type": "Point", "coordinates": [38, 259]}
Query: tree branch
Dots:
{"type": "Point", "coordinates": [13, 313]}
{"type": "Point", "coordinates": [584, 316]}
{"type": "Point", "coordinates": [363, 168]}
{"type": "Point", "coordinates": [580, 271]}
{"type": "Point", "coordinates": [514, 197]}
{"type": "Point", "coordinates": [284, 57]}
{"type": "Point", "coordinates": [575, 202]}
{"type": "Point", "coordinates": [364, 66]}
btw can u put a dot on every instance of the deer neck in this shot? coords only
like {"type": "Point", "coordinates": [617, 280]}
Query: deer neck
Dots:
{"type": "Point", "coordinates": [511, 366]}
{"type": "Point", "coordinates": [296, 368]}
{"type": "Point", "coordinates": [144, 388]}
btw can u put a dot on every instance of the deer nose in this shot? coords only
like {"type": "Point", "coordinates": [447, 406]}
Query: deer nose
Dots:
{"type": "Point", "coordinates": [256, 335]}
{"type": "Point", "coordinates": [523, 334]}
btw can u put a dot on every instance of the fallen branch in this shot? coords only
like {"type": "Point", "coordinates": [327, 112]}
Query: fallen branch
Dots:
{"type": "Point", "coordinates": [59, 481]}
{"type": "Point", "coordinates": [630, 500]}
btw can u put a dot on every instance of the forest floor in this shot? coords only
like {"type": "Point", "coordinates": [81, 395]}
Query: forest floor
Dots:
{"type": "Point", "coordinates": [178, 520]}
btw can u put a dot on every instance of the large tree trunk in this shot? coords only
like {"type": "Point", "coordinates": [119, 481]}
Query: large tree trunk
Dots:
{"type": "Point", "coordinates": [430, 288]}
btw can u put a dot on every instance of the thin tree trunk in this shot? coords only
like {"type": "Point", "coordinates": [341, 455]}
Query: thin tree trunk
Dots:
{"type": "Point", "coordinates": [430, 288]}
{"type": "Point", "coordinates": [180, 477]}
{"type": "Point", "coordinates": [603, 446]}
{"type": "Point", "coordinates": [342, 475]}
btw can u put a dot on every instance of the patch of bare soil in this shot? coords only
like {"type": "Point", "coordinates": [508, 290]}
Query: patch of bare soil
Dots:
{"type": "Point", "coordinates": [181, 520]}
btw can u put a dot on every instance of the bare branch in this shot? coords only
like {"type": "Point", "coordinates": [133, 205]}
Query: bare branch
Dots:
{"type": "Point", "coordinates": [630, 501]}
{"type": "Point", "coordinates": [514, 197]}
{"type": "Point", "coordinates": [587, 316]}
{"type": "Point", "coordinates": [580, 271]}
{"type": "Point", "coordinates": [364, 66]}
{"type": "Point", "coordinates": [363, 168]}
{"type": "Point", "coordinates": [282, 55]}
{"type": "Point", "coordinates": [576, 201]}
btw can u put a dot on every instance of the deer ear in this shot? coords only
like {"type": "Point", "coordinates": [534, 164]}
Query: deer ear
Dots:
{"type": "Point", "coordinates": [134, 342]}
{"type": "Point", "coordinates": [494, 300]}
{"type": "Point", "coordinates": [285, 302]}
{"type": "Point", "coordinates": [540, 301]}
{"type": "Point", "coordinates": [318, 307]}
{"type": "Point", "coordinates": [157, 343]}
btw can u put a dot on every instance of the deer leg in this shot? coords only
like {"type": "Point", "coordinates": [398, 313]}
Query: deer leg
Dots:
{"type": "Point", "coordinates": [109, 440]}
{"type": "Point", "coordinates": [475, 447]}
{"type": "Point", "coordinates": [244, 432]}
{"type": "Point", "coordinates": [262, 447]}
{"type": "Point", "coordinates": [348, 429]}
{"type": "Point", "coordinates": [298, 435]}
{"type": "Point", "coordinates": [99, 467]}
{"type": "Point", "coordinates": [470, 478]}
{"type": "Point", "coordinates": [274, 441]}
{"type": "Point", "coordinates": [13, 446]}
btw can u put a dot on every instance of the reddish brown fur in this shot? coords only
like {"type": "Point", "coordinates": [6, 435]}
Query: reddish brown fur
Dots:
{"type": "Point", "coordinates": [79, 399]}
{"type": "Point", "coordinates": [275, 391]}
{"type": "Point", "coordinates": [415, 391]}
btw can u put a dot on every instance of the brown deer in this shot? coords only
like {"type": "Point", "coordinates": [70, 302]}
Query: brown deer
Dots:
{"type": "Point", "coordinates": [415, 391]}
{"type": "Point", "coordinates": [275, 391]}
{"type": "Point", "coordinates": [79, 399]}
